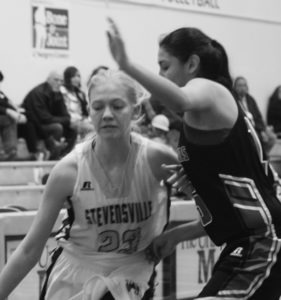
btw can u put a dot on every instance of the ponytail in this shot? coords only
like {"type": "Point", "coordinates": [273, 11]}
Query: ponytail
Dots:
{"type": "Point", "coordinates": [223, 75]}
{"type": "Point", "coordinates": [184, 42]}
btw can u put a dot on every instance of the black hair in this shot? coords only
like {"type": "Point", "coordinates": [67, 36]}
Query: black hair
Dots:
{"type": "Point", "coordinates": [275, 95]}
{"type": "Point", "coordinates": [186, 41]}
{"type": "Point", "coordinates": [68, 73]}
{"type": "Point", "coordinates": [237, 79]}
{"type": "Point", "coordinates": [1, 76]}
{"type": "Point", "coordinates": [273, 106]}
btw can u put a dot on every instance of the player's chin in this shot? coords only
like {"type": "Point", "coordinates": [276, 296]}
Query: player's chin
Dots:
{"type": "Point", "coordinates": [110, 134]}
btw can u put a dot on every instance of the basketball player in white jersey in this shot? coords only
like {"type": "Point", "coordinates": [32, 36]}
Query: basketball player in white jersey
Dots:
{"type": "Point", "coordinates": [116, 206]}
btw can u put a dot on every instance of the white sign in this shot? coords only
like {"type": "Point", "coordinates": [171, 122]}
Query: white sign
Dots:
{"type": "Point", "coordinates": [50, 29]}
{"type": "Point", "coordinates": [250, 9]}
{"type": "Point", "coordinates": [194, 263]}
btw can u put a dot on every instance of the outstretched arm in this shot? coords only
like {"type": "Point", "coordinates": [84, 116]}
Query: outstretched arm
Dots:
{"type": "Point", "coordinates": [165, 90]}
{"type": "Point", "coordinates": [165, 244]}
{"type": "Point", "coordinates": [58, 188]}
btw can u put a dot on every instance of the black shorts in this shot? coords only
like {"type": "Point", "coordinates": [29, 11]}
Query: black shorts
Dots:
{"type": "Point", "coordinates": [247, 269]}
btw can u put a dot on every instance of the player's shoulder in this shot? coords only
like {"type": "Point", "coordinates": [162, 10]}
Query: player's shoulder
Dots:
{"type": "Point", "coordinates": [154, 148]}
{"type": "Point", "coordinates": [157, 149]}
{"type": "Point", "coordinates": [66, 167]}
{"type": "Point", "coordinates": [159, 154]}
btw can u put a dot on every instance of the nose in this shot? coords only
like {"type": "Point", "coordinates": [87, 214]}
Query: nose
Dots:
{"type": "Point", "coordinates": [107, 114]}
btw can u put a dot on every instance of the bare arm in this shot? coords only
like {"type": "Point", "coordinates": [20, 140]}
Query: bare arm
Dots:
{"type": "Point", "coordinates": [149, 109]}
{"type": "Point", "coordinates": [158, 156]}
{"type": "Point", "coordinates": [59, 187]}
{"type": "Point", "coordinates": [165, 244]}
{"type": "Point", "coordinates": [165, 90]}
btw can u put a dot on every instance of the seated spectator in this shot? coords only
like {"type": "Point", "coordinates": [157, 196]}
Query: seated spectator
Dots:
{"type": "Point", "coordinates": [75, 101]}
{"type": "Point", "coordinates": [160, 128]}
{"type": "Point", "coordinates": [274, 111]}
{"type": "Point", "coordinates": [10, 116]}
{"type": "Point", "coordinates": [27, 131]}
{"type": "Point", "coordinates": [175, 119]}
{"type": "Point", "coordinates": [46, 109]}
{"type": "Point", "coordinates": [153, 107]}
{"type": "Point", "coordinates": [251, 109]}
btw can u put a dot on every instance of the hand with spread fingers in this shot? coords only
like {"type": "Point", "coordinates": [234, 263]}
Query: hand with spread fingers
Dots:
{"type": "Point", "coordinates": [178, 180]}
{"type": "Point", "coordinates": [116, 45]}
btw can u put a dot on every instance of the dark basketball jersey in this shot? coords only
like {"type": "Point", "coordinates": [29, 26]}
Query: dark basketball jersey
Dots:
{"type": "Point", "coordinates": [237, 198]}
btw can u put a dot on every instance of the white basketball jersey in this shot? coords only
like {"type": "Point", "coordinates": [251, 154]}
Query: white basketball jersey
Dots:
{"type": "Point", "coordinates": [122, 219]}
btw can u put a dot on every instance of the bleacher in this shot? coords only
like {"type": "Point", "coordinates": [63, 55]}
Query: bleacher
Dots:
{"type": "Point", "coordinates": [21, 183]}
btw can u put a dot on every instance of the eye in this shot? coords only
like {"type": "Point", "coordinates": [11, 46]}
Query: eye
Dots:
{"type": "Point", "coordinates": [163, 66]}
{"type": "Point", "coordinates": [118, 106]}
{"type": "Point", "coordinates": [97, 106]}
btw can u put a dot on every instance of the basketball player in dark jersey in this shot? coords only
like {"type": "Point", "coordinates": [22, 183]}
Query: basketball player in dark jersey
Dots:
{"type": "Point", "coordinates": [221, 155]}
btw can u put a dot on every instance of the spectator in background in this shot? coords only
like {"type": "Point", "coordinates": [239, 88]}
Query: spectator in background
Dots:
{"type": "Point", "coordinates": [27, 131]}
{"type": "Point", "coordinates": [251, 109]}
{"type": "Point", "coordinates": [95, 71]}
{"type": "Point", "coordinates": [75, 101]}
{"type": "Point", "coordinates": [274, 110]}
{"type": "Point", "coordinates": [46, 109]}
{"type": "Point", "coordinates": [154, 107]}
{"type": "Point", "coordinates": [10, 116]}
{"type": "Point", "coordinates": [160, 128]}
{"type": "Point", "coordinates": [174, 117]}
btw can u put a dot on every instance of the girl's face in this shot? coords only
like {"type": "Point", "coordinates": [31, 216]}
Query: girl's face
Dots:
{"type": "Point", "coordinates": [111, 110]}
{"type": "Point", "coordinates": [172, 68]}
{"type": "Point", "coordinates": [76, 80]}
{"type": "Point", "coordinates": [241, 87]}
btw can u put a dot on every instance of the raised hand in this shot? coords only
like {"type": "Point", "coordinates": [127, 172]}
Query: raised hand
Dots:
{"type": "Point", "coordinates": [116, 45]}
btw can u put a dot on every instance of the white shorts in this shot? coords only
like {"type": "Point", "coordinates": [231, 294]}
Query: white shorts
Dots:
{"type": "Point", "coordinates": [90, 277]}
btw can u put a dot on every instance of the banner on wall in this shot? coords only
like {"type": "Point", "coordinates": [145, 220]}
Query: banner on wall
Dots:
{"type": "Point", "coordinates": [195, 260]}
{"type": "Point", "coordinates": [248, 9]}
{"type": "Point", "coordinates": [50, 29]}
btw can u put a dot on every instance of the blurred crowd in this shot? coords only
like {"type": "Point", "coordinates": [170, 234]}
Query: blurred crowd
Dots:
{"type": "Point", "coordinates": [54, 116]}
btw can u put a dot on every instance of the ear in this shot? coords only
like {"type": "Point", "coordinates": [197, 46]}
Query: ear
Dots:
{"type": "Point", "coordinates": [193, 64]}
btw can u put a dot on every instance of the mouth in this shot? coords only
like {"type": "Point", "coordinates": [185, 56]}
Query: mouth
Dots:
{"type": "Point", "coordinates": [108, 126]}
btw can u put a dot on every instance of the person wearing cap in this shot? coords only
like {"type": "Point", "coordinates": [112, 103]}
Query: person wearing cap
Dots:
{"type": "Point", "coordinates": [160, 127]}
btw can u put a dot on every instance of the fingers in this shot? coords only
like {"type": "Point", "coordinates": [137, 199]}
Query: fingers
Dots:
{"type": "Point", "coordinates": [171, 167]}
{"type": "Point", "coordinates": [180, 182]}
{"type": "Point", "coordinates": [176, 177]}
{"type": "Point", "coordinates": [113, 27]}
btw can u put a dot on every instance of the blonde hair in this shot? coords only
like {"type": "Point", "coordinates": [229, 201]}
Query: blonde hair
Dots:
{"type": "Point", "coordinates": [136, 93]}
{"type": "Point", "coordinates": [125, 81]}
